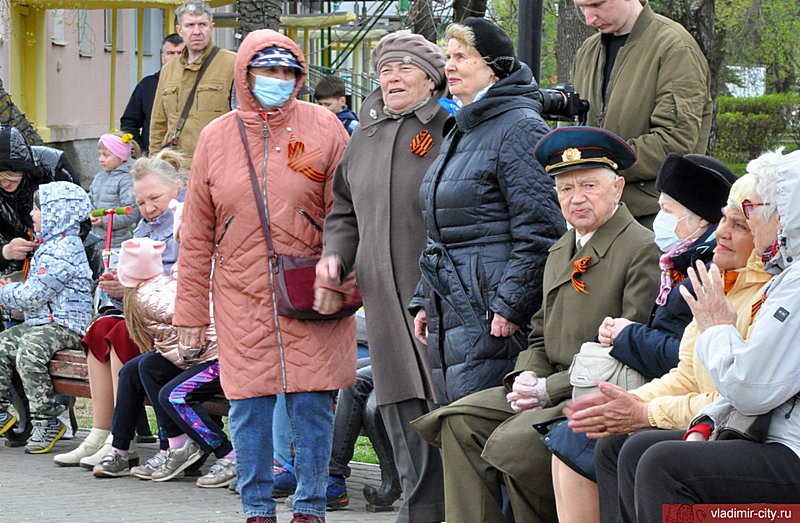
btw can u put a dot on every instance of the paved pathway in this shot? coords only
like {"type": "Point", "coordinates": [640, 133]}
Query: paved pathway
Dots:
{"type": "Point", "coordinates": [33, 488]}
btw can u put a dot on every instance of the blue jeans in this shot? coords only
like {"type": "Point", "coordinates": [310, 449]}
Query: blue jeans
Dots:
{"type": "Point", "coordinates": [281, 432]}
{"type": "Point", "coordinates": [311, 418]}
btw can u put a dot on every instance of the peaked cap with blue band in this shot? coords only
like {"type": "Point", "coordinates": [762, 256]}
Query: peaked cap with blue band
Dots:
{"type": "Point", "coordinates": [571, 148]}
{"type": "Point", "coordinates": [275, 57]}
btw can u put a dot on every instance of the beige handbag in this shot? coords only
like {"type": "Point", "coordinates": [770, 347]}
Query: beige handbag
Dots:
{"type": "Point", "coordinates": [594, 363]}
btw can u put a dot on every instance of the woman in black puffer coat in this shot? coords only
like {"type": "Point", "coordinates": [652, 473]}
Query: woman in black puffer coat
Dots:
{"type": "Point", "coordinates": [491, 213]}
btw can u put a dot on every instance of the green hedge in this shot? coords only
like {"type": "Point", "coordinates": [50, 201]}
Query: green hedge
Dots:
{"type": "Point", "coordinates": [750, 126]}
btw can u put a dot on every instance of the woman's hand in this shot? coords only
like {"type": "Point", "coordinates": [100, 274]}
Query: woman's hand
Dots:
{"type": "Point", "coordinates": [421, 326]}
{"type": "Point", "coordinates": [97, 221]}
{"type": "Point", "coordinates": [111, 285]}
{"type": "Point", "coordinates": [329, 272]}
{"type": "Point", "coordinates": [502, 328]}
{"type": "Point", "coordinates": [610, 329]}
{"type": "Point", "coordinates": [613, 411]}
{"type": "Point", "coordinates": [192, 336]}
{"type": "Point", "coordinates": [696, 436]}
{"type": "Point", "coordinates": [18, 249]}
{"type": "Point", "coordinates": [327, 301]}
{"type": "Point", "coordinates": [711, 307]}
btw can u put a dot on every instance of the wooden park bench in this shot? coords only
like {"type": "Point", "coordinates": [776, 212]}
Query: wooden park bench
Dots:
{"type": "Point", "coordinates": [70, 374]}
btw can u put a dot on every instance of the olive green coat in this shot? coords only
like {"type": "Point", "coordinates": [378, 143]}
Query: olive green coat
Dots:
{"type": "Point", "coordinates": [658, 99]}
{"type": "Point", "coordinates": [376, 223]}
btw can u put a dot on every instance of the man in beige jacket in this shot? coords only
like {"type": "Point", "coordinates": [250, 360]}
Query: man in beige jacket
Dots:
{"type": "Point", "coordinates": [213, 95]}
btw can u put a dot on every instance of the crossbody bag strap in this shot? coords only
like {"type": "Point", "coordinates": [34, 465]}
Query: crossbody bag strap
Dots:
{"type": "Point", "coordinates": [188, 106]}
{"type": "Point", "coordinates": [262, 215]}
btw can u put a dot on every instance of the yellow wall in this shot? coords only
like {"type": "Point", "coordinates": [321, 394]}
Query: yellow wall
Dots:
{"type": "Point", "coordinates": [28, 72]}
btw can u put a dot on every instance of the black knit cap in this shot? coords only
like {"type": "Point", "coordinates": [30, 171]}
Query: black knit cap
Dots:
{"type": "Point", "coordinates": [699, 183]}
{"type": "Point", "coordinates": [494, 45]}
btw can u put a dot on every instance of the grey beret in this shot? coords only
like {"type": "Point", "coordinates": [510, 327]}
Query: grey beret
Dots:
{"type": "Point", "coordinates": [411, 49]}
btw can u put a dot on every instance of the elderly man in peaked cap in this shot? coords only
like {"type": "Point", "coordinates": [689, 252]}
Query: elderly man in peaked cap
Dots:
{"type": "Point", "coordinates": [605, 262]}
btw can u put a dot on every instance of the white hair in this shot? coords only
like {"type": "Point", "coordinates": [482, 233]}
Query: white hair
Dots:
{"type": "Point", "coordinates": [763, 171]}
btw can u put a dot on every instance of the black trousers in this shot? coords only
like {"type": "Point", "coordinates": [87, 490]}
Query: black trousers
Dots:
{"type": "Point", "coordinates": [130, 397]}
{"type": "Point", "coordinates": [655, 467]}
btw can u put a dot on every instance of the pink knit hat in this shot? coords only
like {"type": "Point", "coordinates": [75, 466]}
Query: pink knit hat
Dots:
{"type": "Point", "coordinates": [139, 260]}
{"type": "Point", "coordinates": [119, 146]}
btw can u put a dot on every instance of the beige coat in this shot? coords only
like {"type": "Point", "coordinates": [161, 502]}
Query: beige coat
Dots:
{"type": "Point", "coordinates": [376, 223]}
{"type": "Point", "coordinates": [212, 98]}
{"type": "Point", "coordinates": [260, 352]}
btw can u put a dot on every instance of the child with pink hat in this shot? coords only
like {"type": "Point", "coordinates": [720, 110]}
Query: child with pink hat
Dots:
{"type": "Point", "coordinates": [176, 379]}
{"type": "Point", "coordinates": [113, 187]}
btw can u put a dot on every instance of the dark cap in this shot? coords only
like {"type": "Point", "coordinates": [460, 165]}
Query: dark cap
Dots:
{"type": "Point", "coordinates": [571, 148]}
{"type": "Point", "coordinates": [699, 183]}
{"type": "Point", "coordinates": [494, 45]}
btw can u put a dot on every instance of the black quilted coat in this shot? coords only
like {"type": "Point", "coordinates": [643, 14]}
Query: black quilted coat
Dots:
{"type": "Point", "coordinates": [491, 214]}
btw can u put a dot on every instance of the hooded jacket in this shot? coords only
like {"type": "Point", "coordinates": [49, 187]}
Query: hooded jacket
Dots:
{"type": "Point", "coordinates": [115, 189]}
{"type": "Point", "coordinates": [39, 165]}
{"type": "Point", "coordinates": [260, 352]}
{"type": "Point", "coordinates": [491, 213]}
{"type": "Point", "coordinates": [763, 374]}
{"type": "Point", "coordinates": [59, 285]}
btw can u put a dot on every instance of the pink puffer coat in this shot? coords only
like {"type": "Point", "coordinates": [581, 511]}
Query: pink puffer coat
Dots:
{"type": "Point", "coordinates": [156, 300]}
{"type": "Point", "coordinates": [260, 352]}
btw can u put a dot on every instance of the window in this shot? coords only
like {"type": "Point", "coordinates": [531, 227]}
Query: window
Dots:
{"type": "Point", "coordinates": [147, 33]}
{"type": "Point", "coordinates": [107, 29]}
{"type": "Point", "coordinates": [85, 35]}
{"type": "Point", "coordinates": [59, 36]}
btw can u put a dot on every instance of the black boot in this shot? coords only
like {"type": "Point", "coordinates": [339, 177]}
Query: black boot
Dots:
{"type": "Point", "coordinates": [390, 490]}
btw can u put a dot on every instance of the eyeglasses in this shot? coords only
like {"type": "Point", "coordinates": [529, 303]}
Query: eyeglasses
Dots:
{"type": "Point", "coordinates": [748, 206]}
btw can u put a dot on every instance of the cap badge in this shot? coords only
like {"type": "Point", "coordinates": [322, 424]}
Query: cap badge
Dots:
{"type": "Point", "coordinates": [406, 59]}
{"type": "Point", "coordinates": [571, 154]}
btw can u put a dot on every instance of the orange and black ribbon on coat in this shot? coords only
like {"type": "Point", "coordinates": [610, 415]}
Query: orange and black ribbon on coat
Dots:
{"type": "Point", "coordinates": [580, 268]}
{"type": "Point", "coordinates": [300, 160]}
{"type": "Point", "coordinates": [422, 143]}
{"type": "Point", "coordinates": [26, 264]}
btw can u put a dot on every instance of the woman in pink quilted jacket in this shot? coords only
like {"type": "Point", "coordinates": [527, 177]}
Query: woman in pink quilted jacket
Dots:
{"type": "Point", "coordinates": [294, 147]}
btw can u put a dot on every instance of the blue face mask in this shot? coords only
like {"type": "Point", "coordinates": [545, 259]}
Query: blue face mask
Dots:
{"type": "Point", "coordinates": [664, 228]}
{"type": "Point", "coordinates": [271, 92]}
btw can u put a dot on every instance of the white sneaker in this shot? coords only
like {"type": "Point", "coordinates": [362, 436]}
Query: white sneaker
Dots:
{"type": "Point", "coordinates": [64, 417]}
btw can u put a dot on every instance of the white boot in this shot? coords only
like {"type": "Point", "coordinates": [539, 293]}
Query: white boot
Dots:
{"type": "Point", "coordinates": [89, 446]}
{"type": "Point", "coordinates": [89, 462]}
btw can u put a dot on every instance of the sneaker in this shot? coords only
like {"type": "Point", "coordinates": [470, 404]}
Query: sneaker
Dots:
{"type": "Point", "coordinates": [88, 446]}
{"type": "Point", "coordinates": [7, 420]}
{"type": "Point", "coordinates": [44, 435]}
{"type": "Point", "coordinates": [64, 418]}
{"type": "Point", "coordinates": [177, 460]}
{"type": "Point", "coordinates": [285, 480]}
{"type": "Point", "coordinates": [234, 486]}
{"type": "Point", "coordinates": [222, 474]}
{"type": "Point", "coordinates": [306, 518]}
{"type": "Point", "coordinates": [335, 495]}
{"type": "Point", "coordinates": [112, 466]}
{"type": "Point", "coordinates": [151, 465]}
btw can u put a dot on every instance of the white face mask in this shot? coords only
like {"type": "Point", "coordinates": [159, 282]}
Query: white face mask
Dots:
{"type": "Point", "coordinates": [664, 228]}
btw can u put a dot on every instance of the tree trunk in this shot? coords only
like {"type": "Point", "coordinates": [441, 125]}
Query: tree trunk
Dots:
{"type": "Point", "coordinates": [465, 8]}
{"type": "Point", "coordinates": [11, 116]}
{"type": "Point", "coordinates": [258, 14]}
{"type": "Point", "coordinates": [570, 34]}
{"type": "Point", "coordinates": [420, 19]}
{"type": "Point", "coordinates": [697, 16]}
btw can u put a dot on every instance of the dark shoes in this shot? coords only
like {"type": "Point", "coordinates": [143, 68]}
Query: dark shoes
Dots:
{"type": "Point", "coordinates": [262, 519]}
{"type": "Point", "coordinates": [306, 518]}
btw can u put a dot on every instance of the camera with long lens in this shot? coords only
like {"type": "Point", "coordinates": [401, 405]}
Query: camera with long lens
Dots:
{"type": "Point", "coordinates": [563, 103]}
